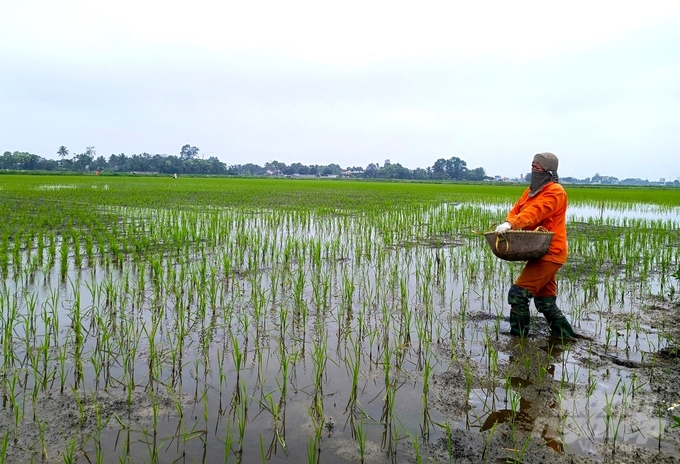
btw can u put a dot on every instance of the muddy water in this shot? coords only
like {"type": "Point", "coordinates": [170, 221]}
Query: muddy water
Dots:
{"type": "Point", "coordinates": [432, 303]}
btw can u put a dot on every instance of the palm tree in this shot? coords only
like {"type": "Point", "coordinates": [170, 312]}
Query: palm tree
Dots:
{"type": "Point", "coordinates": [63, 151]}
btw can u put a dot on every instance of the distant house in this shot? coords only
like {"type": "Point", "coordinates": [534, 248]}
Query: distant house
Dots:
{"type": "Point", "coordinates": [350, 173]}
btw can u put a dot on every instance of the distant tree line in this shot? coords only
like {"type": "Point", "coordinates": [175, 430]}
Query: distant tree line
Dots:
{"type": "Point", "coordinates": [189, 162]}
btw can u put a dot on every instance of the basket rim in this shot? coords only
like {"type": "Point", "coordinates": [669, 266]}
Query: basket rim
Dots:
{"type": "Point", "coordinates": [543, 232]}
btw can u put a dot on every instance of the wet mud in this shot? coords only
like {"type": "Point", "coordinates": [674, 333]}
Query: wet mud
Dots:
{"type": "Point", "coordinates": [540, 425]}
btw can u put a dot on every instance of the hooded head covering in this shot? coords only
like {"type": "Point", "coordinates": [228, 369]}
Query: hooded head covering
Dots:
{"type": "Point", "coordinates": [549, 162]}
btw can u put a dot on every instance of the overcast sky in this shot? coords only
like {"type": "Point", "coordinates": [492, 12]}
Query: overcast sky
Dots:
{"type": "Point", "coordinates": [351, 82]}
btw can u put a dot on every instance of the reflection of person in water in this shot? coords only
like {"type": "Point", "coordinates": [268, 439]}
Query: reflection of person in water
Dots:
{"type": "Point", "coordinates": [524, 416]}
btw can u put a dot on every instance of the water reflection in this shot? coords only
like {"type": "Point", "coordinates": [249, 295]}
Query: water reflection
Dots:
{"type": "Point", "coordinates": [581, 212]}
{"type": "Point", "coordinates": [589, 211]}
{"type": "Point", "coordinates": [525, 391]}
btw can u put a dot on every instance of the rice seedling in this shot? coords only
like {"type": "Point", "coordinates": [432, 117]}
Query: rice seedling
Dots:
{"type": "Point", "coordinates": [69, 456]}
{"type": "Point", "coordinates": [319, 357]}
{"type": "Point", "coordinates": [353, 364]}
{"type": "Point", "coordinates": [519, 451]}
{"type": "Point", "coordinates": [608, 410]}
{"type": "Point", "coordinates": [361, 437]}
{"type": "Point", "coordinates": [427, 371]}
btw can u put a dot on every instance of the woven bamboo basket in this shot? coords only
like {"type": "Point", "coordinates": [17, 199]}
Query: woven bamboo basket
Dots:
{"type": "Point", "coordinates": [519, 245]}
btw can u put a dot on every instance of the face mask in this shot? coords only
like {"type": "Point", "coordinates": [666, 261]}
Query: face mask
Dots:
{"type": "Point", "coordinates": [538, 180]}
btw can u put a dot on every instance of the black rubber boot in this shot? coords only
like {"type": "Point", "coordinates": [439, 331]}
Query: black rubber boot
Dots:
{"type": "Point", "coordinates": [519, 298]}
{"type": "Point", "coordinates": [559, 325]}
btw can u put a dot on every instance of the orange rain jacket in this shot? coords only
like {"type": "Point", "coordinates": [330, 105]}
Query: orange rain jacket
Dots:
{"type": "Point", "coordinates": [548, 208]}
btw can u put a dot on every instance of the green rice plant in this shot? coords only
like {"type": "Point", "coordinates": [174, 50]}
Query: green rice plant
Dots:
{"type": "Point", "coordinates": [4, 247]}
{"type": "Point", "coordinates": [676, 424]}
{"type": "Point", "coordinates": [319, 357]}
{"type": "Point", "coordinates": [89, 248]}
{"type": "Point", "coordinates": [228, 441]}
{"type": "Point", "coordinates": [361, 435]}
{"type": "Point", "coordinates": [277, 410]}
{"type": "Point", "coordinates": [609, 399]}
{"type": "Point", "coordinates": [64, 254]}
{"type": "Point", "coordinates": [80, 405]}
{"type": "Point", "coordinates": [487, 442]}
{"type": "Point", "coordinates": [313, 450]}
{"type": "Point", "coordinates": [353, 364]}
{"type": "Point", "coordinates": [314, 443]}
{"type": "Point", "coordinates": [610, 335]}
{"type": "Point", "coordinates": [348, 289]}
{"type": "Point", "coordinates": [518, 452]}
{"type": "Point", "coordinates": [515, 399]}
{"type": "Point", "coordinates": [14, 407]}
{"type": "Point", "coordinates": [100, 424]}
{"type": "Point", "coordinates": [416, 448]}
{"type": "Point", "coordinates": [69, 456]}
{"type": "Point", "coordinates": [592, 385]}
{"type": "Point", "coordinates": [237, 358]}
{"type": "Point", "coordinates": [449, 441]}
{"type": "Point", "coordinates": [469, 380]}
{"type": "Point", "coordinates": [242, 418]}
{"type": "Point", "coordinates": [427, 371]}
{"type": "Point", "coordinates": [77, 255]}
{"type": "Point", "coordinates": [43, 443]}
{"type": "Point", "coordinates": [62, 367]}
{"type": "Point", "coordinates": [17, 252]}
{"type": "Point", "coordinates": [625, 394]}
{"type": "Point", "coordinates": [153, 445]}
{"type": "Point", "coordinates": [299, 289]}
{"type": "Point", "coordinates": [263, 455]}
{"type": "Point", "coordinates": [389, 435]}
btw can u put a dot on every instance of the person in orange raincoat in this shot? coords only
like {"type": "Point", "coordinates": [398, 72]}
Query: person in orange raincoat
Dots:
{"type": "Point", "coordinates": [543, 204]}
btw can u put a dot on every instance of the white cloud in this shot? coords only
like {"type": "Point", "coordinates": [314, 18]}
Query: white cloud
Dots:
{"type": "Point", "coordinates": [340, 32]}
{"type": "Point", "coordinates": [349, 82]}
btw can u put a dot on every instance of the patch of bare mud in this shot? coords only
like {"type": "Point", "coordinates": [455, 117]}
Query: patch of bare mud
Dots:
{"type": "Point", "coordinates": [42, 431]}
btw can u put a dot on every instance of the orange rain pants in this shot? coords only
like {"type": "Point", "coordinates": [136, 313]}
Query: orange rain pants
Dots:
{"type": "Point", "coordinates": [538, 276]}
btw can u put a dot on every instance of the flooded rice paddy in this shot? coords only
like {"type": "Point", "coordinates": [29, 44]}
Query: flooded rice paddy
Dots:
{"type": "Point", "coordinates": [178, 328]}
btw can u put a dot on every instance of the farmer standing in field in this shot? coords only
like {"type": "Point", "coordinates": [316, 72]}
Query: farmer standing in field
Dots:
{"type": "Point", "coordinates": [543, 204]}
